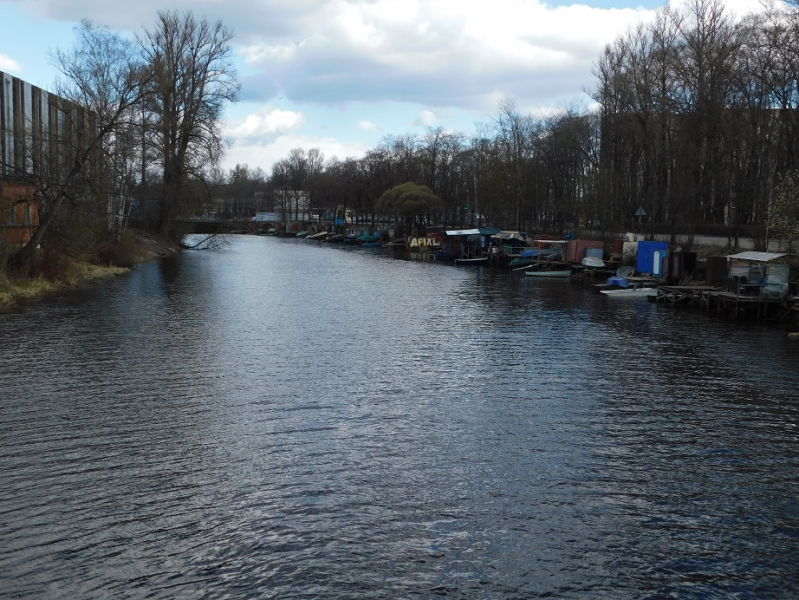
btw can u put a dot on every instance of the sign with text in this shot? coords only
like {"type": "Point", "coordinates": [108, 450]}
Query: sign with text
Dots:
{"type": "Point", "coordinates": [423, 242]}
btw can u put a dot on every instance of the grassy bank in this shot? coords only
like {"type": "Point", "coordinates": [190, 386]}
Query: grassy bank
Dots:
{"type": "Point", "coordinates": [56, 272]}
{"type": "Point", "coordinates": [15, 289]}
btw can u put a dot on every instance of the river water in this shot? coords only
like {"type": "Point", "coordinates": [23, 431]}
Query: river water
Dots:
{"type": "Point", "coordinates": [289, 419]}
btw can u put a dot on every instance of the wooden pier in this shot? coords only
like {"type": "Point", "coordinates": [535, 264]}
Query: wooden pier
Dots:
{"type": "Point", "coordinates": [744, 302]}
{"type": "Point", "coordinates": [683, 294]}
{"type": "Point", "coordinates": [736, 304]}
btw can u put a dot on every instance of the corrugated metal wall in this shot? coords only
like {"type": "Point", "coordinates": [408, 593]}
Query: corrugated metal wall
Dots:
{"type": "Point", "coordinates": [6, 123]}
{"type": "Point", "coordinates": [35, 127]}
{"type": "Point", "coordinates": [37, 137]}
{"type": "Point", "coordinates": [16, 106]}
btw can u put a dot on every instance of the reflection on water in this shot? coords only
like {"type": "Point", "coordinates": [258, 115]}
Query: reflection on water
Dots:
{"type": "Point", "coordinates": [284, 418]}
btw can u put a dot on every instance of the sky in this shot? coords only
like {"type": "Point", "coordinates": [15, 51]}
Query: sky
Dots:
{"type": "Point", "coordinates": [341, 75]}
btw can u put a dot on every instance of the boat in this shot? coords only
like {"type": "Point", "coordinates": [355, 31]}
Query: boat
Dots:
{"type": "Point", "coordinates": [641, 292]}
{"type": "Point", "coordinates": [370, 241]}
{"type": "Point", "coordinates": [545, 250]}
{"type": "Point", "coordinates": [593, 261]}
{"type": "Point", "coordinates": [558, 273]}
{"type": "Point", "coordinates": [622, 276]}
{"type": "Point", "coordinates": [476, 260]}
{"type": "Point", "coordinates": [443, 255]}
{"type": "Point", "coordinates": [533, 256]}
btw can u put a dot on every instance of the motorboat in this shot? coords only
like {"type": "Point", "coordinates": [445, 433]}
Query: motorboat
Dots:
{"type": "Point", "coordinates": [558, 273]}
{"type": "Point", "coordinates": [641, 292]}
{"type": "Point", "coordinates": [477, 260]}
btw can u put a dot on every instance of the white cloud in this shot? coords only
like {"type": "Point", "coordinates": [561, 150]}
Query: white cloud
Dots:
{"type": "Point", "coordinates": [352, 59]}
{"type": "Point", "coordinates": [266, 124]}
{"type": "Point", "coordinates": [433, 52]}
{"type": "Point", "coordinates": [265, 54]}
{"type": "Point", "coordinates": [9, 64]}
{"type": "Point", "coordinates": [426, 118]}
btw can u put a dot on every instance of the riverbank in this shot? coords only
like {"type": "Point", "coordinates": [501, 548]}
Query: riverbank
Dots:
{"type": "Point", "coordinates": [60, 273]}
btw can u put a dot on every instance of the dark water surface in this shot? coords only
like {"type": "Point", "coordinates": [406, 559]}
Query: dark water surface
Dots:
{"type": "Point", "coordinates": [287, 419]}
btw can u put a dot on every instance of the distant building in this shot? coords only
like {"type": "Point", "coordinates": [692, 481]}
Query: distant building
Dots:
{"type": "Point", "coordinates": [39, 138]}
{"type": "Point", "coordinates": [268, 217]}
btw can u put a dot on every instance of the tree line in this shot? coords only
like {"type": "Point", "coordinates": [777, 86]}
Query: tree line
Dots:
{"type": "Point", "coordinates": [696, 122]}
{"type": "Point", "coordinates": [130, 133]}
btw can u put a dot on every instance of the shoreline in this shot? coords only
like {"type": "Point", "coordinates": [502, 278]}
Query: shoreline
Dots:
{"type": "Point", "coordinates": [134, 249]}
{"type": "Point", "coordinates": [138, 249]}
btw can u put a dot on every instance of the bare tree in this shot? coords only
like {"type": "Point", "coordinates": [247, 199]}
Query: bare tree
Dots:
{"type": "Point", "coordinates": [513, 140]}
{"type": "Point", "coordinates": [192, 78]}
{"type": "Point", "coordinates": [103, 82]}
{"type": "Point", "coordinates": [704, 71]}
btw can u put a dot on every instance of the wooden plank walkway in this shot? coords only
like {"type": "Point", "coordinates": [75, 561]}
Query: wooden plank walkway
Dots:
{"type": "Point", "coordinates": [736, 305]}
{"type": "Point", "coordinates": [748, 301]}
{"type": "Point", "coordinates": [674, 294]}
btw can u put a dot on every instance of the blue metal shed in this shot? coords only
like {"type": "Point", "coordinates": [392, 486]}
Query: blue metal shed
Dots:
{"type": "Point", "coordinates": [651, 257]}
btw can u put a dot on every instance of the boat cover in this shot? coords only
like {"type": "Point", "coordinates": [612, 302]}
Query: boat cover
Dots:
{"type": "Point", "coordinates": [618, 281]}
{"type": "Point", "coordinates": [757, 256]}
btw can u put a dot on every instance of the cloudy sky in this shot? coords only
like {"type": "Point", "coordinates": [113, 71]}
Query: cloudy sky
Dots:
{"type": "Point", "coordinates": [339, 75]}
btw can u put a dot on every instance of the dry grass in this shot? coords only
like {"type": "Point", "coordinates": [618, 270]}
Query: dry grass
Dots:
{"type": "Point", "coordinates": [56, 272]}
{"type": "Point", "coordinates": [16, 290]}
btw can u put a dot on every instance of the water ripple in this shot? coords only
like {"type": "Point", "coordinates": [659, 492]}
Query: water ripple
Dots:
{"type": "Point", "coordinates": [286, 419]}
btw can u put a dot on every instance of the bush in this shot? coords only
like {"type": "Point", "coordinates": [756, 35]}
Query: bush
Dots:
{"type": "Point", "coordinates": [118, 254]}
{"type": "Point", "coordinates": [53, 265]}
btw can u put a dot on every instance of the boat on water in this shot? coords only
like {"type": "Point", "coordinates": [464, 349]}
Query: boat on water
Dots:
{"type": "Point", "coordinates": [640, 292]}
{"type": "Point", "coordinates": [370, 241]}
{"type": "Point", "coordinates": [476, 260]}
{"type": "Point", "coordinates": [558, 273]}
{"type": "Point", "coordinates": [443, 254]}
{"type": "Point", "coordinates": [533, 256]}
{"type": "Point", "coordinates": [543, 250]}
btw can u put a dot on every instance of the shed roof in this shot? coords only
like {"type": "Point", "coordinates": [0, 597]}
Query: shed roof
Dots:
{"type": "Point", "coordinates": [480, 231]}
{"type": "Point", "coordinates": [757, 256]}
{"type": "Point", "coordinates": [508, 235]}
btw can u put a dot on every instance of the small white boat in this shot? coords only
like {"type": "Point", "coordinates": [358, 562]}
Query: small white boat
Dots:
{"type": "Point", "coordinates": [561, 273]}
{"type": "Point", "coordinates": [478, 260]}
{"type": "Point", "coordinates": [593, 261]}
{"type": "Point", "coordinates": [641, 292]}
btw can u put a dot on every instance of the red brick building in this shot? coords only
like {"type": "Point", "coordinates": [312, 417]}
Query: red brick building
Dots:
{"type": "Point", "coordinates": [19, 215]}
{"type": "Point", "coordinates": [38, 135]}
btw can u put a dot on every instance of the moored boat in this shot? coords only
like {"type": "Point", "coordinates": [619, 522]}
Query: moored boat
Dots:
{"type": "Point", "coordinates": [558, 273]}
{"type": "Point", "coordinates": [475, 260]}
{"type": "Point", "coordinates": [593, 262]}
{"type": "Point", "coordinates": [641, 292]}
